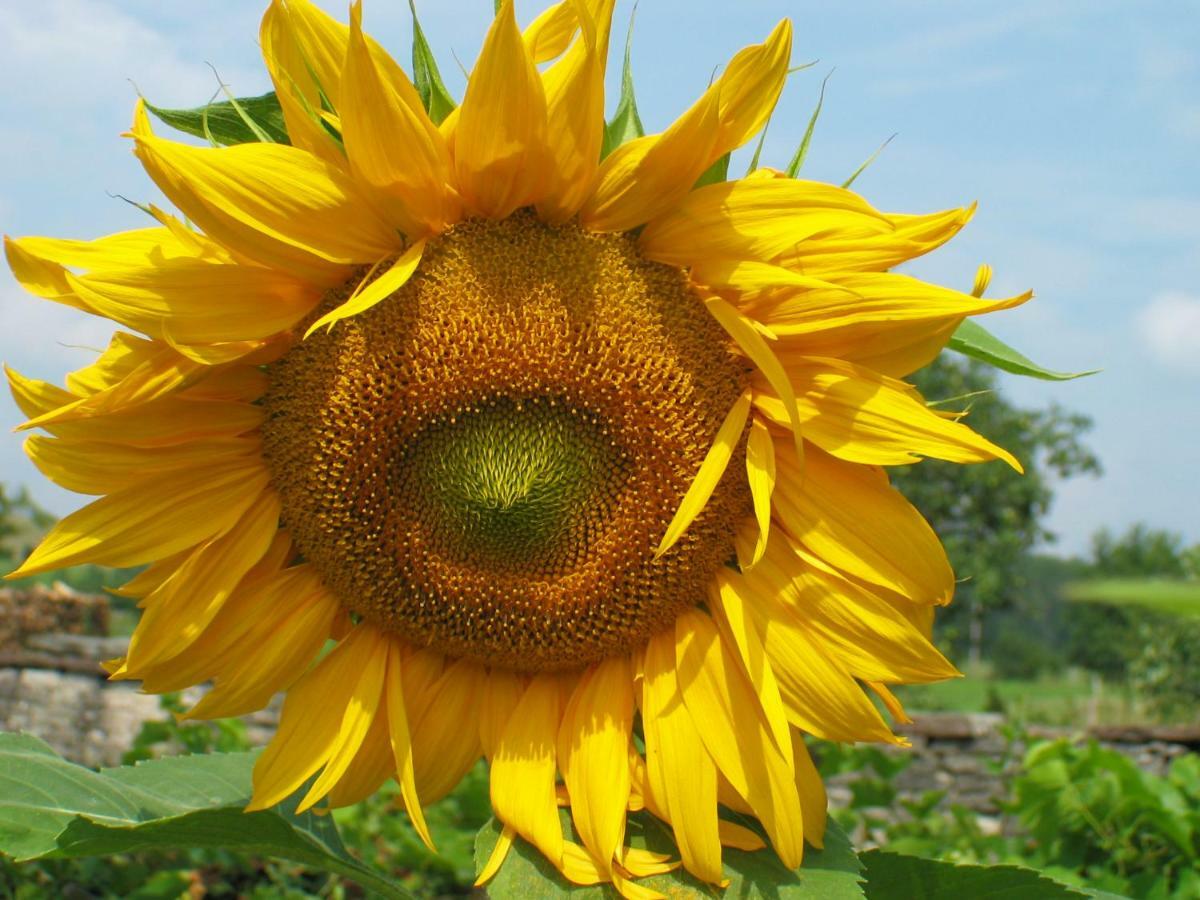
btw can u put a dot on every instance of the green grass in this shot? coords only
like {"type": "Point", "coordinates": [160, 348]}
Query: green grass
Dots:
{"type": "Point", "coordinates": [1180, 598]}
{"type": "Point", "coordinates": [1073, 698]}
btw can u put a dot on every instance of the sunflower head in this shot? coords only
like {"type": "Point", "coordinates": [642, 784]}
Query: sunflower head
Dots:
{"type": "Point", "coordinates": [579, 461]}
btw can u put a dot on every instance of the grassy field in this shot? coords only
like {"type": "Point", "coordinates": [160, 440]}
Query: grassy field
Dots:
{"type": "Point", "coordinates": [1161, 595]}
{"type": "Point", "coordinates": [1074, 698]}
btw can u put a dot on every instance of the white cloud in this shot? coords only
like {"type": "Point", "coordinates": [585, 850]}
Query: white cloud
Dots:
{"type": "Point", "coordinates": [1170, 328]}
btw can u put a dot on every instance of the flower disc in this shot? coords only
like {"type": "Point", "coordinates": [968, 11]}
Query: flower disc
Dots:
{"type": "Point", "coordinates": [485, 461]}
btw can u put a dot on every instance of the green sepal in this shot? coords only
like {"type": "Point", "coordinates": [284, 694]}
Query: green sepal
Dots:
{"type": "Point", "coordinates": [831, 874]}
{"type": "Point", "coordinates": [626, 124]}
{"type": "Point", "coordinates": [896, 876]}
{"type": "Point", "coordinates": [243, 120]}
{"type": "Point", "coordinates": [870, 159]}
{"type": "Point", "coordinates": [52, 808]}
{"type": "Point", "coordinates": [973, 340]}
{"type": "Point", "coordinates": [426, 77]}
{"type": "Point", "coordinates": [797, 162]}
{"type": "Point", "coordinates": [717, 172]}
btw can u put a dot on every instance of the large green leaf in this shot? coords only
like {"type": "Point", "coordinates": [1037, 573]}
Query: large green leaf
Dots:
{"type": "Point", "coordinates": [53, 808]}
{"type": "Point", "coordinates": [895, 876]}
{"type": "Point", "coordinates": [973, 340]}
{"type": "Point", "coordinates": [426, 77]}
{"type": "Point", "coordinates": [829, 874]}
{"type": "Point", "coordinates": [230, 121]}
{"type": "Point", "coordinates": [626, 124]}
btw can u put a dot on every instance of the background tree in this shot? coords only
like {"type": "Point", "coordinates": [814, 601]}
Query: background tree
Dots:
{"type": "Point", "coordinates": [988, 516]}
{"type": "Point", "coordinates": [1141, 552]}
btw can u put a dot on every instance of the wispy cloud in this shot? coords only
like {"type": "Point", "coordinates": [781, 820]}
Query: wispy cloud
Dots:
{"type": "Point", "coordinates": [1170, 328]}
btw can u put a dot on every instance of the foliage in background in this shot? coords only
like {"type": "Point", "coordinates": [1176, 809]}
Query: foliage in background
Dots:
{"type": "Point", "coordinates": [1082, 814]}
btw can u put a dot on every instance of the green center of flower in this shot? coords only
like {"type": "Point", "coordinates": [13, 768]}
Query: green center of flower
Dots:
{"type": "Point", "coordinates": [513, 482]}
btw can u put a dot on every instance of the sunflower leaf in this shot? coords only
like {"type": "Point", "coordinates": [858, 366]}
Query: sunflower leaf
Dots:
{"type": "Point", "coordinates": [973, 340]}
{"type": "Point", "coordinates": [829, 874]}
{"type": "Point", "coordinates": [896, 876]}
{"type": "Point", "coordinates": [51, 808]}
{"type": "Point", "coordinates": [626, 124]}
{"type": "Point", "coordinates": [426, 77]}
{"type": "Point", "coordinates": [233, 121]}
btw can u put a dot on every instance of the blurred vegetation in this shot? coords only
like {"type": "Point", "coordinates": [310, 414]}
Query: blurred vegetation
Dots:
{"type": "Point", "coordinates": [1082, 814]}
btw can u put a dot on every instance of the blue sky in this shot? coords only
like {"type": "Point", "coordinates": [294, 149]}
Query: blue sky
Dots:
{"type": "Point", "coordinates": [1074, 123]}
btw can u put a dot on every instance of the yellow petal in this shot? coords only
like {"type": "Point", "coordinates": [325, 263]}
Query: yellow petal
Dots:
{"type": "Point", "coordinates": [90, 467]}
{"type": "Point", "coordinates": [292, 618]}
{"type": "Point", "coordinates": [500, 151]}
{"type": "Point", "coordinates": [865, 302]}
{"type": "Point", "coordinates": [756, 219]}
{"type": "Point", "coordinates": [730, 718]}
{"type": "Point", "coordinates": [850, 517]}
{"type": "Point", "coordinates": [373, 290]}
{"type": "Point", "coordinates": [401, 742]}
{"type": "Point", "coordinates": [361, 708]}
{"type": "Point", "coordinates": [304, 49]}
{"type": "Point", "coordinates": [648, 176]}
{"type": "Point", "coordinates": [873, 250]}
{"type": "Point", "coordinates": [681, 776]}
{"type": "Point", "coordinates": [371, 767]}
{"type": "Point", "coordinates": [276, 204]}
{"type": "Point", "coordinates": [727, 602]}
{"type": "Point", "coordinates": [819, 694]}
{"type": "Point", "coordinates": [710, 474]}
{"type": "Point", "coordinates": [155, 519]}
{"type": "Point", "coordinates": [159, 375]}
{"type": "Point", "coordinates": [751, 342]}
{"type": "Point", "coordinates": [894, 350]}
{"type": "Point", "coordinates": [574, 89]}
{"type": "Point", "coordinates": [523, 768]}
{"type": "Point", "coordinates": [200, 302]}
{"type": "Point", "coordinates": [548, 36]}
{"type": "Point", "coordinates": [863, 632]}
{"type": "Point", "coordinates": [750, 279]}
{"type": "Point", "coordinates": [861, 416]}
{"type": "Point", "coordinates": [179, 610]}
{"type": "Point", "coordinates": [760, 470]}
{"type": "Point", "coordinates": [812, 793]}
{"type": "Point", "coordinates": [593, 748]}
{"type": "Point", "coordinates": [445, 737]}
{"type": "Point", "coordinates": [392, 144]}
{"type": "Point", "coordinates": [502, 692]}
{"type": "Point", "coordinates": [498, 855]}
{"type": "Point", "coordinates": [326, 712]}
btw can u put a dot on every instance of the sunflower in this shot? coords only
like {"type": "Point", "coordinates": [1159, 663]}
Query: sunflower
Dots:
{"type": "Point", "coordinates": [480, 438]}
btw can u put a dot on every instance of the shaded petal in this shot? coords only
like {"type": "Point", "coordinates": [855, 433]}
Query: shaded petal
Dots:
{"type": "Point", "coordinates": [681, 777]}
{"type": "Point", "coordinates": [862, 416]}
{"type": "Point", "coordinates": [648, 176]}
{"type": "Point", "coordinates": [737, 732]}
{"type": "Point", "coordinates": [159, 517]}
{"type": "Point", "coordinates": [445, 736]}
{"type": "Point", "coordinates": [850, 517]}
{"type": "Point", "coordinates": [324, 720]}
{"type": "Point", "coordinates": [760, 471]}
{"type": "Point", "coordinates": [276, 204]}
{"type": "Point", "coordinates": [710, 474]}
{"type": "Point", "coordinates": [593, 754]}
{"type": "Point", "coordinates": [756, 219]}
{"type": "Point", "coordinates": [500, 150]}
{"type": "Point", "coordinates": [523, 768]}
{"type": "Point", "coordinates": [392, 144]}
{"type": "Point", "coordinates": [574, 89]}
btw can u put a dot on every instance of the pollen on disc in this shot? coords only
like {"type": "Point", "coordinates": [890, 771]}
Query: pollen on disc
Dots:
{"type": "Point", "coordinates": [485, 461]}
